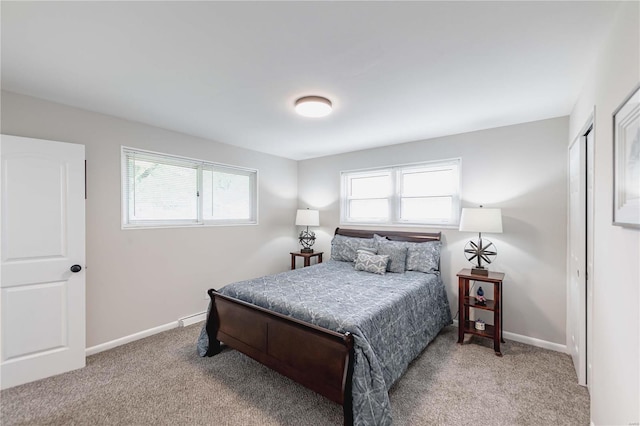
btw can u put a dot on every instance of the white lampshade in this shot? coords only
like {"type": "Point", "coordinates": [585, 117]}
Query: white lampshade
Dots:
{"type": "Point", "coordinates": [307, 217]}
{"type": "Point", "coordinates": [481, 220]}
{"type": "Point", "coordinates": [313, 106]}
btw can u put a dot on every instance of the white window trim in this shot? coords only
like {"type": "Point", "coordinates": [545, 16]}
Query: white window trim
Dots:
{"type": "Point", "coordinates": [345, 189]}
{"type": "Point", "coordinates": [394, 197]}
{"type": "Point", "coordinates": [189, 162]}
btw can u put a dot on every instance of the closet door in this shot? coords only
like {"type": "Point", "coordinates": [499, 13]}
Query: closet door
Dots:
{"type": "Point", "coordinates": [576, 294]}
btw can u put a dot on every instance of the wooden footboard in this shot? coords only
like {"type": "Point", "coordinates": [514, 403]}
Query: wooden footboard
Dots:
{"type": "Point", "coordinates": [320, 359]}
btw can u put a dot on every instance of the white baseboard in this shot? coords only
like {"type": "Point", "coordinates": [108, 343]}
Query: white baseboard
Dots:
{"type": "Point", "coordinates": [182, 322]}
{"type": "Point", "coordinates": [536, 342]}
{"type": "Point", "coordinates": [192, 319]}
{"type": "Point", "coordinates": [201, 316]}
{"type": "Point", "coordinates": [131, 338]}
{"type": "Point", "coordinates": [531, 341]}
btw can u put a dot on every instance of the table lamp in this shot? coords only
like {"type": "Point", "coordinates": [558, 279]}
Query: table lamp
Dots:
{"type": "Point", "coordinates": [307, 218]}
{"type": "Point", "coordinates": [480, 220]}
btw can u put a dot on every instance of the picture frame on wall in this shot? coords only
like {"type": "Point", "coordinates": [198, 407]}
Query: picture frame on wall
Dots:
{"type": "Point", "coordinates": [626, 161]}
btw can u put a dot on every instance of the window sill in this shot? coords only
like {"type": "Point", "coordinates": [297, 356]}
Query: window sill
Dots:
{"type": "Point", "coordinates": [189, 225]}
{"type": "Point", "coordinates": [400, 225]}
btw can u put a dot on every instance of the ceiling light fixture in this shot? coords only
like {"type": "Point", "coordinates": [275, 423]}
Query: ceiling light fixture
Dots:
{"type": "Point", "coordinates": [313, 106]}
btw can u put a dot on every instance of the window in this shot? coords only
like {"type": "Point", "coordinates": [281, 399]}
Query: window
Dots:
{"type": "Point", "coordinates": [416, 194]}
{"type": "Point", "coordinates": [164, 190]}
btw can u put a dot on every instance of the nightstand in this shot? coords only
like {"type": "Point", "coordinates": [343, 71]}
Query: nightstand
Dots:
{"type": "Point", "coordinates": [467, 301]}
{"type": "Point", "coordinates": [307, 257]}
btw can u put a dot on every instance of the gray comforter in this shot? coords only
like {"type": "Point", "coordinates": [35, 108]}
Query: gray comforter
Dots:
{"type": "Point", "coordinates": [392, 318]}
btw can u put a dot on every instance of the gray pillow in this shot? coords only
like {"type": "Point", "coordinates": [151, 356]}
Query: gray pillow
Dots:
{"type": "Point", "coordinates": [366, 251]}
{"type": "Point", "coordinates": [345, 248]}
{"type": "Point", "coordinates": [397, 252]}
{"type": "Point", "coordinates": [424, 257]}
{"type": "Point", "coordinates": [379, 238]}
{"type": "Point", "coordinates": [375, 263]}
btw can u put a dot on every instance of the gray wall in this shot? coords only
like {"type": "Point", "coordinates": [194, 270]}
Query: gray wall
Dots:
{"type": "Point", "coordinates": [140, 279]}
{"type": "Point", "coordinates": [615, 387]}
{"type": "Point", "coordinates": [521, 169]}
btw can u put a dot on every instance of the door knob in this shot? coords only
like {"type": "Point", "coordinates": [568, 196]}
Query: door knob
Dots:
{"type": "Point", "coordinates": [76, 268]}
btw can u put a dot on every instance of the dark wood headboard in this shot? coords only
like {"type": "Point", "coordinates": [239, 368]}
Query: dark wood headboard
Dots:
{"type": "Point", "coordinates": [415, 237]}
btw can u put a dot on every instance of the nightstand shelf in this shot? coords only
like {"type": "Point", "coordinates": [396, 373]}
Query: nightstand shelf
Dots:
{"type": "Point", "coordinates": [470, 327]}
{"type": "Point", "coordinates": [470, 301]}
{"type": "Point", "coordinates": [466, 302]}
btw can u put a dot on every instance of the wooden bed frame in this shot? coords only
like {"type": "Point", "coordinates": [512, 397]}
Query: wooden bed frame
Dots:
{"type": "Point", "coordinates": [315, 357]}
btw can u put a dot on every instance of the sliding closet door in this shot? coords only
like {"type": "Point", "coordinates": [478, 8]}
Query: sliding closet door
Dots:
{"type": "Point", "coordinates": [576, 295]}
{"type": "Point", "coordinates": [590, 150]}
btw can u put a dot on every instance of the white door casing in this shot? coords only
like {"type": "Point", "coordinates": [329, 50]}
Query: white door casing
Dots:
{"type": "Point", "coordinates": [43, 234]}
{"type": "Point", "coordinates": [576, 295]}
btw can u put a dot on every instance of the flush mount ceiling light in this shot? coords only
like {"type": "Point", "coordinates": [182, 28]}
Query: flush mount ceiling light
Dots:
{"type": "Point", "coordinates": [313, 106]}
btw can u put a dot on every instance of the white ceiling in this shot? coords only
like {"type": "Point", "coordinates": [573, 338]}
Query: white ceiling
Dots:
{"type": "Point", "coordinates": [231, 71]}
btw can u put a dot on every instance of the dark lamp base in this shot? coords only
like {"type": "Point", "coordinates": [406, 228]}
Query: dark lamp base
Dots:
{"type": "Point", "coordinates": [480, 271]}
{"type": "Point", "coordinates": [306, 250]}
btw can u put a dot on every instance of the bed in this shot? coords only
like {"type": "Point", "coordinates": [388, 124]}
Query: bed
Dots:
{"type": "Point", "coordinates": [344, 333]}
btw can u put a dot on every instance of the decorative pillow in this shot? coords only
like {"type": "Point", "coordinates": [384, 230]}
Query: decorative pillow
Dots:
{"type": "Point", "coordinates": [366, 251]}
{"type": "Point", "coordinates": [424, 257]}
{"type": "Point", "coordinates": [345, 248]}
{"type": "Point", "coordinates": [379, 238]}
{"type": "Point", "coordinates": [397, 252]}
{"type": "Point", "coordinates": [375, 263]}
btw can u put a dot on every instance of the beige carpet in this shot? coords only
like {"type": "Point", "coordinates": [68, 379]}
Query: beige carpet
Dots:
{"type": "Point", "coordinates": [161, 380]}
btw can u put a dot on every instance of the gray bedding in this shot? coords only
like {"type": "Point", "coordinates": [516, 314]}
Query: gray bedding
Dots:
{"type": "Point", "coordinates": [392, 318]}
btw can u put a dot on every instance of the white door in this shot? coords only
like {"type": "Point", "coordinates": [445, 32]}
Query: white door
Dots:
{"type": "Point", "coordinates": [576, 296]}
{"type": "Point", "coordinates": [43, 232]}
{"type": "Point", "coordinates": [589, 275]}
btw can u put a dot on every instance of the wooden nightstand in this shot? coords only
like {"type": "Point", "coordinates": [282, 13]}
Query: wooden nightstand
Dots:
{"type": "Point", "coordinates": [307, 258]}
{"type": "Point", "coordinates": [466, 301]}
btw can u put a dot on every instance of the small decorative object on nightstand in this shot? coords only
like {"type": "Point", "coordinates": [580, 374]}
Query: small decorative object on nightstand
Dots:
{"type": "Point", "coordinates": [307, 257]}
{"type": "Point", "coordinates": [480, 220]}
{"type": "Point", "coordinates": [307, 238]}
{"type": "Point", "coordinates": [466, 301]}
{"type": "Point", "coordinates": [480, 299]}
